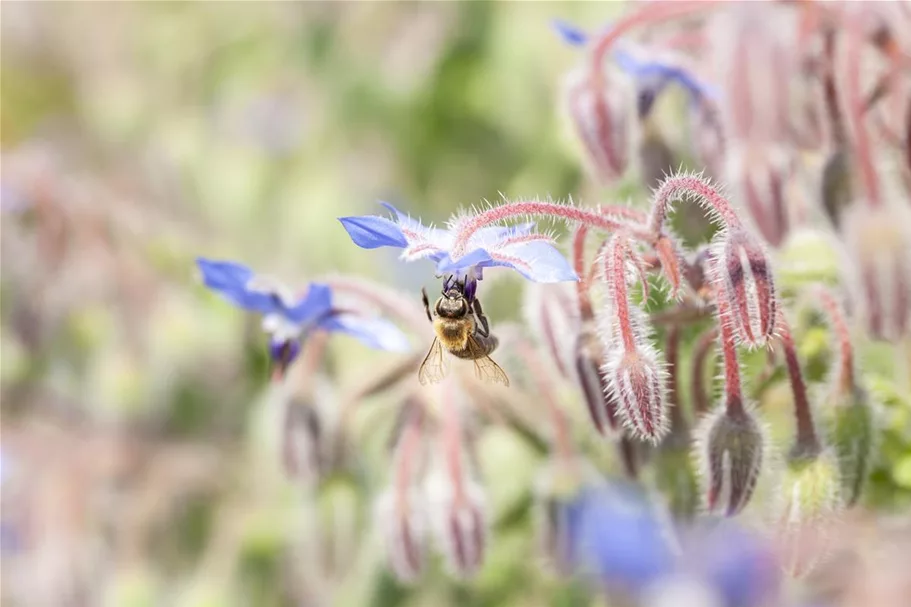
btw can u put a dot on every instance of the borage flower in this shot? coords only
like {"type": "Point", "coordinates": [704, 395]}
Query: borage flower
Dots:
{"type": "Point", "coordinates": [652, 70]}
{"type": "Point", "coordinates": [288, 318]}
{"type": "Point", "coordinates": [517, 247]}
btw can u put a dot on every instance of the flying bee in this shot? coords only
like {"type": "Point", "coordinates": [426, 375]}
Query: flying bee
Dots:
{"type": "Point", "coordinates": [462, 329]}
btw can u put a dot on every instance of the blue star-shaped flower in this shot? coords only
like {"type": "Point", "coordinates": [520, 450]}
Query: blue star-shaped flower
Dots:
{"type": "Point", "coordinates": [516, 247]}
{"type": "Point", "coordinates": [652, 74]}
{"type": "Point", "coordinates": [288, 318]}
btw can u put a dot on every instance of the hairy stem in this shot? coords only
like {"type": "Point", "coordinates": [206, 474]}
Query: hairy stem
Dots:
{"type": "Point", "coordinates": [844, 377]}
{"type": "Point", "coordinates": [701, 351]}
{"type": "Point", "coordinates": [707, 196]}
{"type": "Point", "coordinates": [733, 388]}
{"type": "Point", "coordinates": [672, 356]}
{"type": "Point", "coordinates": [406, 449]}
{"type": "Point", "coordinates": [582, 286]}
{"type": "Point", "coordinates": [615, 276]}
{"type": "Point", "coordinates": [650, 13]}
{"type": "Point", "coordinates": [452, 441]}
{"type": "Point", "coordinates": [512, 210]}
{"type": "Point", "coordinates": [831, 91]}
{"type": "Point", "coordinates": [807, 440]}
{"type": "Point", "coordinates": [856, 106]}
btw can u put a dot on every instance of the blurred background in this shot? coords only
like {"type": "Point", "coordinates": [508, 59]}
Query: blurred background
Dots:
{"type": "Point", "coordinates": [136, 136]}
{"type": "Point", "coordinates": [137, 459]}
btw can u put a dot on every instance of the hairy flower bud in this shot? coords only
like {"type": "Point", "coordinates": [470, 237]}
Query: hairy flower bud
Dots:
{"type": "Point", "coordinates": [602, 406]}
{"type": "Point", "coordinates": [402, 522]}
{"type": "Point", "coordinates": [636, 381]}
{"type": "Point", "coordinates": [758, 176]}
{"type": "Point", "coordinates": [878, 242]}
{"type": "Point", "coordinates": [848, 419]}
{"type": "Point", "coordinates": [741, 271]}
{"type": "Point", "coordinates": [601, 113]}
{"type": "Point", "coordinates": [459, 522]}
{"type": "Point", "coordinates": [807, 509]}
{"type": "Point", "coordinates": [730, 448]}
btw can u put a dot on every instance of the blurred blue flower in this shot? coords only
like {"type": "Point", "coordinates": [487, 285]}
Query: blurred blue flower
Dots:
{"type": "Point", "coordinates": [619, 539]}
{"type": "Point", "coordinates": [737, 564]}
{"type": "Point", "coordinates": [516, 247]}
{"type": "Point", "coordinates": [288, 318]}
{"type": "Point", "coordinates": [651, 74]}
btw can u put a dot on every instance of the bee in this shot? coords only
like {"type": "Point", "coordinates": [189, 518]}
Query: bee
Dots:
{"type": "Point", "coordinates": [462, 329]}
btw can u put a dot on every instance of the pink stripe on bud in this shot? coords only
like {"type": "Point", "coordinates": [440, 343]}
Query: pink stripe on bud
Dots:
{"type": "Point", "coordinates": [742, 276]}
{"type": "Point", "coordinates": [637, 383]}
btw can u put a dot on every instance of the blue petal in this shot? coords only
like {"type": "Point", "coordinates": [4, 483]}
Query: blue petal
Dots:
{"type": "Point", "coordinates": [545, 263]}
{"type": "Point", "coordinates": [570, 33]}
{"type": "Point", "coordinates": [316, 303]}
{"type": "Point", "coordinates": [661, 72]}
{"type": "Point", "coordinates": [434, 235]}
{"type": "Point", "coordinates": [478, 257]}
{"type": "Point", "coordinates": [371, 232]}
{"type": "Point", "coordinates": [372, 332]}
{"type": "Point", "coordinates": [230, 280]}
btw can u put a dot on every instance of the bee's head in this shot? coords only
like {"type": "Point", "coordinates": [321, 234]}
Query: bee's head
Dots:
{"type": "Point", "coordinates": [452, 304]}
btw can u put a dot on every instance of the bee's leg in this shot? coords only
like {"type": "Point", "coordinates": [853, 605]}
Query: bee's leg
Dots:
{"type": "Point", "coordinates": [483, 327]}
{"type": "Point", "coordinates": [426, 303]}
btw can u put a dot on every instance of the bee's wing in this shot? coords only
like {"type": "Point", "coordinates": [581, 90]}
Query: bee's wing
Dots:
{"type": "Point", "coordinates": [484, 366]}
{"type": "Point", "coordinates": [435, 365]}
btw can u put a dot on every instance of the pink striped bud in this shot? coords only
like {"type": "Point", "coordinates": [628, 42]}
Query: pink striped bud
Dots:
{"type": "Point", "coordinates": [758, 177]}
{"type": "Point", "coordinates": [636, 380]}
{"type": "Point", "coordinates": [878, 243]}
{"type": "Point", "coordinates": [602, 114]}
{"type": "Point", "coordinates": [741, 271]}
{"type": "Point", "coordinates": [459, 522]}
{"type": "Point", "coordinates": [402, 522]}
{"type": "Point", "coordinates": [730, 445]}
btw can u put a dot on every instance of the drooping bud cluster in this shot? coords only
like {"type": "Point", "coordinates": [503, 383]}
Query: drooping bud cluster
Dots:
{"type": "Point", "coordinates": [633, 370]}
{"type": "Point", "coordinates": [730, 448]}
